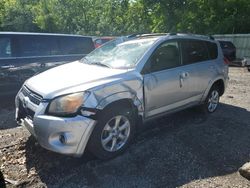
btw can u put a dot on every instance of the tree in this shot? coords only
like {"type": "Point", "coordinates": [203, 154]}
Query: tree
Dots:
{"type": "Point", "coordinates": [209, 17]}
{"type": "Point", "coordinates": [16, 15]}
{"type": "Point", "coordinates": [120, 17]}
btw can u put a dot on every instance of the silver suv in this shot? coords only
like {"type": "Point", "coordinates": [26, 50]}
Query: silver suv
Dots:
{"type": "Point", "coordinates": [97, 102]}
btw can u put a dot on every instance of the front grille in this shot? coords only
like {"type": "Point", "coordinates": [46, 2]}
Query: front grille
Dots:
{"type": "Point", "coordinates": [33, 97]}
{"type": "Point", "coordinates": [30, 113]}
{"type": "Point", "coordinates": [24, 112]}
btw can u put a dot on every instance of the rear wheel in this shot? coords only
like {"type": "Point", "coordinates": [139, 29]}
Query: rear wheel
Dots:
{"type": "Point", "coordinates": [212, 100]}
{"type": "Point", "coordinates": [113, 133]}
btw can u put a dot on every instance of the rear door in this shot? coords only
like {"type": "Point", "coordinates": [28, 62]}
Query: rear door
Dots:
{"type": "Point", "coordinates": [198, 64]}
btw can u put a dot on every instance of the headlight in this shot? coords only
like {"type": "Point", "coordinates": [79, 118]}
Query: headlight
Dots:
{"type": "Point", "coordinates": [67, 104]}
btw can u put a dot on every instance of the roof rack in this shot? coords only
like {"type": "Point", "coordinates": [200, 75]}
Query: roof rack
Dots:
{"type": "Point", "coordinates": [146, 35]}
{"type": "Point", "coordinates": [197, 35]}
{"type": "Point", "coordinates": [153, 34]}
{"type": "Point", "coordinates": [168, 34]}
{"type": "Point", "coordinates": [133, 35]}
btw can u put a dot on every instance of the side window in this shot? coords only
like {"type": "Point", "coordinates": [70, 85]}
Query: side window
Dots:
{"type": "Point", "coordinates": [35, 46]}
{"type": "Point", "coordinates": [87, 45]}
{"type": "Point", "coordinates": [54, 45]}
{"type": "Point", "coordinates": [5, 47]}
{"type": "Point", "coordinates": [193, 51]}
{"type": "Point", "coordinates": [73, 45]}
{"type": "Point", "coordinates": [166, 56]}
{"type": "Point", "coordinates": [212, 50]}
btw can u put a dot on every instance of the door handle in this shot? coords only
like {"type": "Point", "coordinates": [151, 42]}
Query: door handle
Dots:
{"type": "Point", "coordinates": [183, 76]}
{"type": "Point", "coordinates": [212, 67]}
{"type": "Point", "coordinates": [7, 66]}
{"type": "Point", "coordinates": [181, 81]}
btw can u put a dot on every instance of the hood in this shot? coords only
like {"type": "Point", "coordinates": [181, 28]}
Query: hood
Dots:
{"type": "Point", "coordinates": [64, 78]}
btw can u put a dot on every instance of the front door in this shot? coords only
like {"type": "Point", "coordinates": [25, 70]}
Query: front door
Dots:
{"type": "Point", "coordinates": [165, 83]}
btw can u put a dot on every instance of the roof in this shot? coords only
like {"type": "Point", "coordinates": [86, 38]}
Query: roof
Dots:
{"type": "Point", "coordinates": [44, 34]}
{"type": "Point", "coordinates": [135, 40]}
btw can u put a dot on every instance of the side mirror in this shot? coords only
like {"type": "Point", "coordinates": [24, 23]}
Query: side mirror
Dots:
{"type": "Point", "coordinates": [147, 68]}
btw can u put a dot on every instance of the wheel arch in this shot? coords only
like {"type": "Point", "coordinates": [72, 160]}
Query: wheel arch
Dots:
{"type": "Point", "coordinates": [122, 98]}
{"type": "Point", "coordinates": [109, 109]}
{"type": "Point", "coordinates": [220, 83]}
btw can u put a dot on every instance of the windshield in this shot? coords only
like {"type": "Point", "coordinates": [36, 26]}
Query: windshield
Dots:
{"type": "Point", "coordinates": [119, 54]}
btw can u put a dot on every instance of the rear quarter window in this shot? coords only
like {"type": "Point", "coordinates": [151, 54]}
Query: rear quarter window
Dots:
{"type": "Point", "coordinates": [212, 50]}
{"type": "Point", "coordinates": [226, 44]}
{"type": "Point", "coordinates": [193, 51]}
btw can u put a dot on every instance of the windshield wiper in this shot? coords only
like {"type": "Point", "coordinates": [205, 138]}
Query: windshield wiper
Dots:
{"type": "Point", "coordinates": [100, 64]}
{"type": "Point", "coordinates": [84, 60]}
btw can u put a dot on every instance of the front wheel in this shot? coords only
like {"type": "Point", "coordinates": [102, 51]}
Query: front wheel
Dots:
{"type": "Point", "coordinates": [212, 100]}
{"type": "Point", "coordinates": [112, 134]}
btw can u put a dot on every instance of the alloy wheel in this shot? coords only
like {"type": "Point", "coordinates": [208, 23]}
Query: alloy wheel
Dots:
{"type": "Point", "coordinates": [213, 101]}
{"type": "Point", "coordinates": [115, 133]}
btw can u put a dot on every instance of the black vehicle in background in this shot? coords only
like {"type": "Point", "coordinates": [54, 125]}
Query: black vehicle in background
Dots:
{"type": "Point", "coordinates": [24, 54]}
{"type": "Point", "coordinates": [228, 49]}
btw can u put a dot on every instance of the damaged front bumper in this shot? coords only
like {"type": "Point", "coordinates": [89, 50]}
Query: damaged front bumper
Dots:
{"type": "Point", "coordinates": [65, 135]}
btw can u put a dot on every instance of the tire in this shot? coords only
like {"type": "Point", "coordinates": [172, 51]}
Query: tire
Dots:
{"type": "Point", "coordinates": [212, 100]}
{"type": "Point", "coordinates": [113, 126]}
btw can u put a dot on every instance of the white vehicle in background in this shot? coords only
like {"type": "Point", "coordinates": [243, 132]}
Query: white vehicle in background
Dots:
{"type": "Point", "coordinates": [247, 63]}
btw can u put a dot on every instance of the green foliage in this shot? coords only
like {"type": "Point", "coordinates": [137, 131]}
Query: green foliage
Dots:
{"type": "Point", "coordinates": [16, 15]}
{"type": "Point", "coordinates": [209, 16]}
{"type": "Point", "coordinates": [119, 17]}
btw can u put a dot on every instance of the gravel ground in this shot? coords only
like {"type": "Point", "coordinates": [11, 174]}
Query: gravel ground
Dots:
{"type": "Point", "coordinates": [185, 149]}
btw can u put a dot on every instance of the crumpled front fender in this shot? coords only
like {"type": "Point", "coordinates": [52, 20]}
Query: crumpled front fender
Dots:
{"type": "Point", "coordinates": [120, 96]}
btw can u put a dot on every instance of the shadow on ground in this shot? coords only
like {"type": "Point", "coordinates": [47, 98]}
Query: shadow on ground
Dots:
{"type": "Point", "coordinates": [7, 119]}
{"type": "Point", "coordinates": [169, 152]}
{"type": "Point", "coordinates": [7, 113]}
{"type": "Point", "coordinates": [2, 181]}
{"type": "Point", "coordinates": [7, 102]}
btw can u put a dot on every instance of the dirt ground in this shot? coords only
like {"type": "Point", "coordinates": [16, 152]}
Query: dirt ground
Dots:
{"type": "Point", "coordinates": [185, 149]}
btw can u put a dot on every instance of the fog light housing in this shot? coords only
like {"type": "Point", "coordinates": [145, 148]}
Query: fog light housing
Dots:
{"type": "Point", "coordinates": [62, 139]}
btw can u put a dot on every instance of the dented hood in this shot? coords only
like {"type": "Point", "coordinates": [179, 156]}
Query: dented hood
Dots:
{"type": "Point", "coordinates": [70, 78]}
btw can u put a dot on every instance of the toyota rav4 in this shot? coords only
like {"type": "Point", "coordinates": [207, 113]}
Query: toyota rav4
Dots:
{"type": "Point", "coordinates": [97, 102]}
